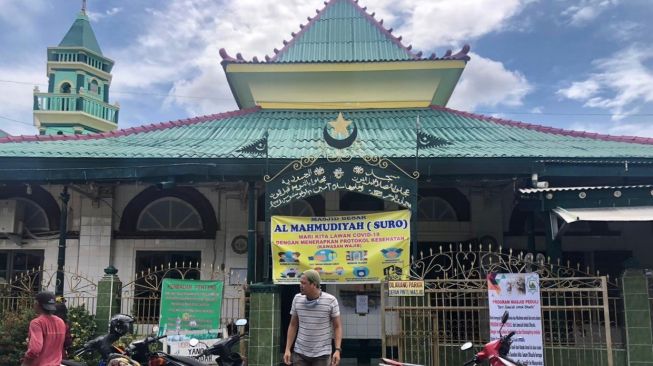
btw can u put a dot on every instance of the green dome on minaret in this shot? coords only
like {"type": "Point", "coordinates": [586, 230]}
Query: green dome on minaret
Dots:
{"type": "Point", "coordinates": [81, 34]}
{"type": "Point", "coordinates": [79, 77]}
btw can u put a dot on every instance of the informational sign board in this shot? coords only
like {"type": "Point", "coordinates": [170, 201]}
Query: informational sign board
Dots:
{"type": "Point", "coordinates": [519, 294]}
{"type": "Point", "coordinates": [405, 288]}
{"type": "Point", "coordinates": [364, 248]}
{"type": "Point", "coordinates": [190, 309]}
{"type": "Point", "coordinates": [362, 304]}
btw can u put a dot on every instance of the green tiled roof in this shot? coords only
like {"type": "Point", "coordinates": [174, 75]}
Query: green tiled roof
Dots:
{"type": "Point", "coordinates": [297, 133]}
{"type": "Point", "coordinates": [343, 32]}
{"type": "Point", "coordinates": [81, 34]}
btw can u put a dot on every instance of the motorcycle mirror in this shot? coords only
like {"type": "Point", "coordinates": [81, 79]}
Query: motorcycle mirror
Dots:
{"type": "Point", "coordinates": [193, 342]}
{"type": "Point", "coordinates": [241, 322]}
{"type": "Point", "coordinates": [466, 346]}
{"type": "Point", "coordinates": [505, 317]}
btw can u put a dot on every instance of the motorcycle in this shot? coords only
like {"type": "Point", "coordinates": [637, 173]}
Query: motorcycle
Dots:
{"type": "Point", "coordinates": [496, 352]}
{"type": "Point", "coordinates": [138, 351]}
{"type": "Point", "coordinates": [224, 348]}
{"type": "Point", "coordinates": [101, 344]}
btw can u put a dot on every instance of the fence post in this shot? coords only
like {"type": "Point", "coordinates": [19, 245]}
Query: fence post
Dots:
{"type": "Point", "coordinates": [265, 325]}
{"type": "Point", "coordinates": [108, 298]}
{"type": "Point", "coordinates": [637, 311]}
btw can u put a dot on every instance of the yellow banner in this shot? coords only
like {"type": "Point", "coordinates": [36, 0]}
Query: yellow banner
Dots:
{"type": "Point", "coordinates": [363, 248]}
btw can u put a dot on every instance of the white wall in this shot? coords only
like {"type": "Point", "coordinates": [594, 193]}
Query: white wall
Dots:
{"type": "Point", "coordinates": [96, 248]}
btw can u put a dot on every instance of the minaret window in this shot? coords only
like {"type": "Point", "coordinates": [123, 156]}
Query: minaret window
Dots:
{"type": "Point", "coordinates": [65, 88]}
{"type": "Point", "coordinates": [94, 87]}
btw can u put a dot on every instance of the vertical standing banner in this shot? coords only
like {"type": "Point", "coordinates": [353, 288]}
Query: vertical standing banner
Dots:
{"type": "Point", "coordinates": [519, 294]}
{"type": "Point", "coordinates": [190, 309]}
{"type": "Point", "coordinates": [364, 248]}
{"type": "Point", "coordinates": [190, 306]}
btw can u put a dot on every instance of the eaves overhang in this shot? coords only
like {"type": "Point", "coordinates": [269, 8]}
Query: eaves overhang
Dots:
{"type": "Point", "coordinates": [360, 85]}
{"type": "Point", "coordinates": [590, 196]}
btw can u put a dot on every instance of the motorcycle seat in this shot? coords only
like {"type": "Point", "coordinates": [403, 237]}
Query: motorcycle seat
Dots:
{"type": "Point", "coordinates": [72, 363]}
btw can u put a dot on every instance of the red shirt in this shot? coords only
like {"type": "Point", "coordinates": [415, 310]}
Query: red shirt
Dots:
{"type": "Point", "coordinates": [46, 337]}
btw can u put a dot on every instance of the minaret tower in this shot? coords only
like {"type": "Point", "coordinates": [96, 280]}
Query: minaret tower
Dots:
{"type": "Point", "coordinates": [79, 76]}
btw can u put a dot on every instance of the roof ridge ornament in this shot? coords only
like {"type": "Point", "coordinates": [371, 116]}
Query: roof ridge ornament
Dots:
{"type": "Point", "coordinates": [426, 140]}
{"type": "Point", "coordinates": [257, 148]}
{"type": "Point", "coordinates": [84, 6]}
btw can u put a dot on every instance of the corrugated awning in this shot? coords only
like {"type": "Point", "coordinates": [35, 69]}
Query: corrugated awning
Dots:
{"type": "Point", "coordinates": [588, 188]}
{"type": "Point", "coordinates": [639, 213]}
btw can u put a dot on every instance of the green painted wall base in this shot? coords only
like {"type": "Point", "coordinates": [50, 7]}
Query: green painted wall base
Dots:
{"type": "Point", "coordinates": [108, 299]}
{"type": "Point", "coordinates": [638, 318]}
{"type": "Point", "coordinates": [264, 325]}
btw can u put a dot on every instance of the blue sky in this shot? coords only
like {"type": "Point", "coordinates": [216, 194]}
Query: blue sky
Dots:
{"type": "Point", "coordinates": [577, 64]}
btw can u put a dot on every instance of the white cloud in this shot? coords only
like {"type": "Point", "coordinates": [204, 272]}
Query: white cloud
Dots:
{"type": "Point", "coordinates": [19, 15]}
{"type": "Point", "coordinates": [619, 83]}
{"type": "Point", "coordinates": [96, 17]}
{"type": "Point", "coordinates": [176, 50]}
{"type": "Point", "coordinates": [632, 129]}
{"type": "Point", "coordinates": [587, 10]}
{"type": "Point", "coordinates": [624, 31]}
{"type": "Point", "coordinates": [212, 84]}
{"type": "Point", "coordinates": [488, 83]}
{"type": "Point", "coordinates": [581, 90]}
{"type": "Point", "coordinates": [16, 99]}
{"type": "Point", "coordinates": [618, 129]}
{"type": "Point", "coordinates": [181, 41]}
{"type": "Point", "coordinates": [436, 23]}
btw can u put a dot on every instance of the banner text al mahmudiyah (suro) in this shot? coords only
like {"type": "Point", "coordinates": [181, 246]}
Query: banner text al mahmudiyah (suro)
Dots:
{"type": "Point", "coordinates": [362, 248]}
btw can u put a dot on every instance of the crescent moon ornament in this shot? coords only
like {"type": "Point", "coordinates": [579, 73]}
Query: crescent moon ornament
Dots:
{"type": "Point", "coordinates": [340, 129]}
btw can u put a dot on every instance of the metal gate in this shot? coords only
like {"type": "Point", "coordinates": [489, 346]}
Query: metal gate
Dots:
{"type": "Point", "coordinates": [19, 291]}
{"type": "Point", "coordinates": [580, 312]}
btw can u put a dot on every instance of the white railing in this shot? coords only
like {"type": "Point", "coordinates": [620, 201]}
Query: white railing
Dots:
{"type": "Point", "coordinates": [82, 102]}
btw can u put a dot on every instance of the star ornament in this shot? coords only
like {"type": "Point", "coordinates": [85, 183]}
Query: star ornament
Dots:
{"type": "Point", "coordinates": [340, 126]}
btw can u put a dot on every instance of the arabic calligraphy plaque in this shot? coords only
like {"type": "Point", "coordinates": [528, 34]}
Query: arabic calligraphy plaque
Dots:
{"type": "Point", "coordinates": [351, 177]}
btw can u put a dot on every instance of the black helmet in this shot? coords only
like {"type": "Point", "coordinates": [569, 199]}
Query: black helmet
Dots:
{"type": "Point", "coordinates": [121, 324]}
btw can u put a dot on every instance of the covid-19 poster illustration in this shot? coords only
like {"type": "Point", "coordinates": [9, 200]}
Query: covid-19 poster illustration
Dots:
{"type": "Point", "coordinates": [364, 248]}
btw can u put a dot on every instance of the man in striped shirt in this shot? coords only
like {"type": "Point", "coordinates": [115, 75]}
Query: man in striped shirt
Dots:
{"type": "Point", "coordinates": [315, 319]}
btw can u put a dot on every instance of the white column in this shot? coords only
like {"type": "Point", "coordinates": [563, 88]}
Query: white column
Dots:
{"type": "Point", "coordinates": [95, 237]}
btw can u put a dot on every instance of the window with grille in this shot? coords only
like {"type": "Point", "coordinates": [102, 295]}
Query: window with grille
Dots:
{"type": "Point", "coordinates": [169, 214]}
{"type": "Point", "coordinates": [34, 217]}
{"type": "Point", "coordinates": [435, 209]}
{"type": "Point", "coordinates": [151, 268]}
{"type": "Point", "coordinates": [14, 263]}
{"type": "Point", "coordinates": [297, 208]}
